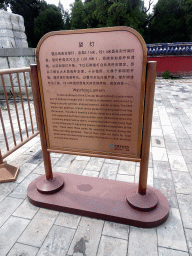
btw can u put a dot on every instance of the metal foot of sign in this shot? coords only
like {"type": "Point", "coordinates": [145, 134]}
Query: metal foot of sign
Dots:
{"type": "Point", "coordinates": [8, 172]}
{"type": "Point", "coordinates": [103, 199]}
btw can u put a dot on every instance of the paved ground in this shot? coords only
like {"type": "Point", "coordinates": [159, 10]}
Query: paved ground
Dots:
{"type": "Point", "coordinates": [28, 230]}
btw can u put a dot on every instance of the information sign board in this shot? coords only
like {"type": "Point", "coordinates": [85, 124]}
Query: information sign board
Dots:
{"type": "Point", "coordinates": [92, 86]}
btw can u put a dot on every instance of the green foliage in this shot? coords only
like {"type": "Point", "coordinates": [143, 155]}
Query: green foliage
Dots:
{"type": "Point", "coordinates": [78, 15]}
{"type": "Point", "coordinates": [48, 20]}
{"type": "Point", "coordinates": [166, 74]}
{"type": "Point", "coordinates": [3, 5]}
{"type": "Point", "coordinates": [29, 9]}
{"type": "Point", "coordinates": [169, 22]}
{"type": "Point", "coordinates": [116, 15]}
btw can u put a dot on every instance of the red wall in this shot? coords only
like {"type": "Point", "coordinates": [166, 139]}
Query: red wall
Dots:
{"type": "Point", "coordinates": [173, 63]}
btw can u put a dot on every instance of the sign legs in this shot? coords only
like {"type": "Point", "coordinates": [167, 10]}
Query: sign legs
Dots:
{"type": "Point", "coordinates": [143, 207]}
{"type": "Point", "coordinates": [47, 184]}
{"type": "Point", "coordinates": [142, 198]}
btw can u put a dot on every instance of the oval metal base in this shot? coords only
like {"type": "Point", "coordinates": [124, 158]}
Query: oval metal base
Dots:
{"type": "Point", "coordinates": [45, 186]}
{"type": "Point", "coordinates": [100, 198]}
{"type": "Point", "coordinates": [144, 203]}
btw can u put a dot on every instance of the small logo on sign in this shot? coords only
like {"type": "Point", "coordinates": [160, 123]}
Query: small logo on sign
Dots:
{"type": "Point", "coordinates": [111, 145]}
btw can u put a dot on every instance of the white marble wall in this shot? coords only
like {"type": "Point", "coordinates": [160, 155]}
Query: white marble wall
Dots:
{"type": "Point", "coordinates": [12, 31]}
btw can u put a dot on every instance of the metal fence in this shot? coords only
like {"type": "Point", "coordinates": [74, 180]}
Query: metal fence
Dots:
{"type": "Point", "coordinates": [16, 114]}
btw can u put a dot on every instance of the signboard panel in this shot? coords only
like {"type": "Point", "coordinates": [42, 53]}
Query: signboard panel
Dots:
{"type": "Point", "coordinates": [92, 87]}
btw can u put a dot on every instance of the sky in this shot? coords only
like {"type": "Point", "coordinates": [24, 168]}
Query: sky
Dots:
{"type": "Point", "coordinates": [66, 3]}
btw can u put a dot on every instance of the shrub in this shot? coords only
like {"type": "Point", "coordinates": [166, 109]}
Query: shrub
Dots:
{"type": "Point", "coordinates": [166, 74]}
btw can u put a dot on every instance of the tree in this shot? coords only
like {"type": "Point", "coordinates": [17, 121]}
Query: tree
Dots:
{"type": "Point", "coordinates": [3, 4]}
{"type": "Point", "coordinates": [29, 9]}
{"type": "Point", "coordinates": [47, 21]}
{"type": "Point", "coordinates": [188, 17]}
{"type": "Point", "coordinates": [77, 15]}
{"type": "Point", "coordinates": [169, 23]}
{"type": "Point", "coordinates": [117, 15]}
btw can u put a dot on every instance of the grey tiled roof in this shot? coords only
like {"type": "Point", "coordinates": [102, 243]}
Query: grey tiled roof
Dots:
{"type": "Point", "coordinates": [169, 49]}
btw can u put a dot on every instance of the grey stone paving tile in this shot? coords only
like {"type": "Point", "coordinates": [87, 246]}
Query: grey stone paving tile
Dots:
{"type": "Point", "coordinates": [165, 119]}
{"type": "Point", "coordinates": [15, 154]}
{"type": "Point", "coordinates": [110, 246]}
{"type": "Point", "coordinates": [137, 174]}
{"type": "Point", "coordinates": [67, 220]}
{"type": "Point", "coordinates": [185, 205]}
{"type": "Point", "coordinates": [39, 170]}
{"type": "Point", "coordinates": [168, 189]}
{"type": "Point", "coordinates": [188, 129]}
{"type": "Point", "coordinates": [170, 138]}
{"type": "Point", "coordinates": [185, 143]}
{"type": "Point", "coordinates": [180, 133]}
{"type": "Point", "coordinates": [65, 161]}
{"type": "Point", "coordinates": [109, 171]}
{"type": "Point", "coordinates": [183, 182]}
{"type": "Point", "coordinates": [156, 125]}
{"type": "Point", "coordinates": [156, 132]}
{"type": "Point", "coordinates": [21, 190]}
{"type": "Point", "coordinates": [157, 141]}
{"type": "Point", "coordinates": [171, 234]}
{"type": "Point", "coordinates": [54, 161]}
{"type": "Point", "coordinates": [173, 149]}
{"type": "Point", "coordinates": [56, 155]}
{"type": "Point", "coordinates": [23, 250]}
{"type": "Point", "coordinates": [188, 233]}
{"type": "Point", "coordinates": [10, 232]}
{"type": "Point", "coordinates": [25, 170]}
{"type": "Point", "coordinates": [117, 230]}
{"type": "Point", "coordinates": [77, 167]}
{"type": "Point", "coordinates": [187, 154]}
{"type": "Point", "coordinates": [33, 149]}
{"type": "Point", "coordinates": [175, 122]}
{"type": "Point", "coordinates": [26, 210]}
{"type": "Point", "coordinates": [159, 154]}
{"type": "Point", "coordinates": [90, 173]}
{"type": "Point", "coordinates": [95, 164]}
{"type": "Point", "coordinates": [37, 158]}
{"type": "Point", "coordinates": [87, 237]}
{"type": "Point", "coordinates": [177, 163]}
{"type": "Point", "coordinates": [7, 207]}
{"type": "Point", "coordinates": [170, 252]}
{"type": "Point", "coordinates": [112, 161]}
{"type": "Point", "coordinates": [162, 170]}
{"type": "Point", "coordinates": [59, 169]}
{"type": "Point", "coordinates": [38, 228]}
{"type": "Point", "coordinates": [150, 177]}
{"type": "Point", "coordinates": [57, 242]}
{"type": "Point", "coordinates": [20, 160]}
{"type": "Point", "coordinates": [167, 129]}
{"type": "Point", "coordinates": [142, 242]}
{"type": "Point", "coordinates": [84, 158]}
{"type": "Point", "coordinates": [6, 188]}
{"type": "Point", "coordinates": [126, 178]}
{"type": "Point", "coordinates": [127, 168]}
{"type": "Point", "coordinates": [150, 163]}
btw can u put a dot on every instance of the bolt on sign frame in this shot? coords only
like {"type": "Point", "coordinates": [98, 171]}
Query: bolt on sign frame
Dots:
{"type": "Point", "coordinates": [93, 93]}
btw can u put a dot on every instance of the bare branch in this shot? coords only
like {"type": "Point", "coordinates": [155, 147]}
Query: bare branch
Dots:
{"type": "Point", "coordinates": [150, 3]}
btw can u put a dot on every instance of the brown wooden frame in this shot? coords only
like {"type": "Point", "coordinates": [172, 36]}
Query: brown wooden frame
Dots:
{"type": "Point", "coordinates": [136, 158]}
